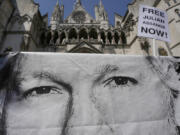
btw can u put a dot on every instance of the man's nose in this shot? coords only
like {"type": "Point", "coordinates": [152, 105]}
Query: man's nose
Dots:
{"type": "Point", "coordinates": [84, 115]}
{"type": "Point", "coordinates": [84, 111]}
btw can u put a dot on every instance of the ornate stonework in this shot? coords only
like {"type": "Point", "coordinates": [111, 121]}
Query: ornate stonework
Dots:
{"type": "Point", "coordinates": [80, 31]}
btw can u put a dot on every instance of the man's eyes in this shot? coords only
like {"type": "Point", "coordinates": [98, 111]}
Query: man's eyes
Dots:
{"type": "Point", "coordinates": [117, 81]}
{"type": "Point", "coordinates": [42, 90]}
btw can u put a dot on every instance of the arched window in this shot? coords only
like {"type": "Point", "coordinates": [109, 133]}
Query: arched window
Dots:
{"type": "Point", "coordinates": [123, 38]}
{"type": "Point", "coordinates": [116, 37]}
{"type": "Point", "coordinates": [93, 34]}
{"type": "Point", "coordinates": [62, 37]}
{"type": "Point", "coordinates": [103, 37]}
{"type": "Point", "coordinates": [72, 34]}
{"type": "Point", "coordinates": [177, 11]}
{"type": "Point", "coordinates": [55, 36]}
{"type": "Point", "coordinates": [109, 37]}
{"type": "Point", "coordinates": [83, 34]}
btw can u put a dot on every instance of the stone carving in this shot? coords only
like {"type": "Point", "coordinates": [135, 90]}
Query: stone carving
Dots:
{"type": "Point", "coordinates": [79, 17]}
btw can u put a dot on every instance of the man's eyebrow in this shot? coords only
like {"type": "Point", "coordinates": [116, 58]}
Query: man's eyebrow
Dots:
{"type": "Point", "coordinates": [53, 78]}
{"type": "Point", "coordinates": [103, 71]}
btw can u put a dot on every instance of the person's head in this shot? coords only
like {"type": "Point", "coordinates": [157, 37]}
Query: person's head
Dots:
{"type": "Point", "coordinates": [69, 94]}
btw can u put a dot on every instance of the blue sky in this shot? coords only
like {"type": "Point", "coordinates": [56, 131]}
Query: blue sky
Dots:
{"type": "Point", "coordinates": [111, 6]}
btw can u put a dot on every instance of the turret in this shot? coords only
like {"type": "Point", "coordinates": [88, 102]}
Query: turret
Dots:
{"type": "Point", "coordinates": [77, 4]}
{"type": "Point", "coordinates": [62, 12]}
{"type": "Point", "coordinates": [100, 4]}
{"type": "Point", "coordinates": [102, 13]}
{"type": "Point", "coordinates": [56, 17]}
{"type": "Point", "coordinates": [96, 13]}
{"type": "Point", "coordinates": [102, 16]}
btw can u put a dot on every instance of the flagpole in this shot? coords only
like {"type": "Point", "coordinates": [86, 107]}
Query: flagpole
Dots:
{"type": "Point", "coordinates": [154, 47]}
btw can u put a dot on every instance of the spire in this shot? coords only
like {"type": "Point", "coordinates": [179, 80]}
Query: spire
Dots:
{"type": "Point", "coordinates": [57, 3]}
{"type": "Point", "coordinates": [57, 8]}
{"type": "Point", "coordinates": [102, 12]}
{"type": "Point", "coordinates": [78, 3]}
{"type": "Point", "coordinates": [56, 13]}
{"type": "Point", "coordinates": [100, 3]}
{"type": "Point", "coordinates": [61, 2]}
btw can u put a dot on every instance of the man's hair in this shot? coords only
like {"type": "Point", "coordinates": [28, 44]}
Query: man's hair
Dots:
{"type": "Point", "coordinates": [8, 62]}
{"type": "Point", "coordinates": [168, 70]}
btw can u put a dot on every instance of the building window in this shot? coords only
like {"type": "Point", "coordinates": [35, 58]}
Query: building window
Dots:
{"type": "Point", "coordinates": [109, 35]}
{"type": "Point", "coordinates": [167, 2]}
{"type": "Point", "coordinates": [83, 34]}
{"type": "Point", "coordinates": [55, 37]}
{"type": "Point", "coordinates": [103, 37]}
{"type": "Point", "coordinates": [117, 23]}
{"type": "Point", "coordinates": [93, 34]}
{"type": "Point", "coordinates": [177, 11]}
{"type": "Point", "coordinates": [116, 37]}
{"type": "Point", "coordinates": [62, 37]}
{"type": "Point", "coordinates": [123, 38]}
{"type": "Point", "coordinates": [72, 34]}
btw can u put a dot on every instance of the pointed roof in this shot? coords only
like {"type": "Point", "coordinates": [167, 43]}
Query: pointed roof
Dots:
{"type": "Point", "coordinates": [78, 3]}
{"type": "Point", "coordinates": [85, 45]}
{"type": "Point", "coordinates": [57, 3]}
{"type": "Point", "coordinates": [56, 9]}
{"type": "Point", "coordinates": [101, 4]}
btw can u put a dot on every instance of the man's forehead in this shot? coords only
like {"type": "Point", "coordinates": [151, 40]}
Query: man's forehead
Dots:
{"type": "Point", "coordinates": [87, 63]}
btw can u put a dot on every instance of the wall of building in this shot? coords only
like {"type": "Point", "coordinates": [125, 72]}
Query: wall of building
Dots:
{"type": "Point", "coordinates": [174, 24]}
{"type": "Point", "coordinates": [6, 9]}
{"type": "Point", "coordinates": [24, 27]}
{"type": "Point", "coordinates": [130, 25]}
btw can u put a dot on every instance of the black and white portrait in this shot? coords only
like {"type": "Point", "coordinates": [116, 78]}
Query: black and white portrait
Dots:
{"type": "Point", "coordinates": [77, 94]}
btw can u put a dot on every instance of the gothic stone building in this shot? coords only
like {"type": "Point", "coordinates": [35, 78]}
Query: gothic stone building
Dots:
{"type": "Point", "coordinates": [23, 28]}
{"type": "Point", "coordinates": [81, 33]}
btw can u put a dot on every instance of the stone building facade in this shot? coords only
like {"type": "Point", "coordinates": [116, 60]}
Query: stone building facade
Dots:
{"type": "Point", "coordinates": [20, 25]}
{"type": "Point", "coordinates": [81, 33]}
{"type": "Point", "coordinates": [24, 29]}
